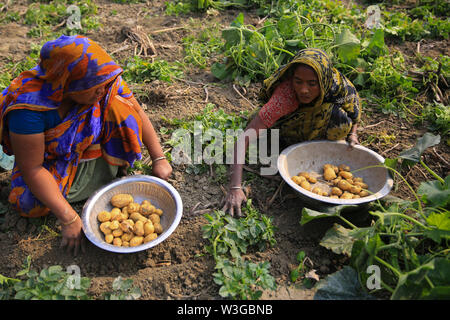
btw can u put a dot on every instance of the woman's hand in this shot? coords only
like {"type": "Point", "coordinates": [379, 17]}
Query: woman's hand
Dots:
{"type": "Point", "coordinates": [72, 236]}
{"type": "Point", "coordinates": [352, 140]}
{"type": "Point", "coordinates": [233, 201]}
{"type": "Point", "coordinates": [162, 169]}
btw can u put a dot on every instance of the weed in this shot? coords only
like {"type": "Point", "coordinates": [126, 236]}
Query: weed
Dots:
{"type": "Point", "coordinates": [209, 120]}
{"type": "Point", "coordinates": [139, 70]}
{"type": "Point", "coordinates": [239, 278]}
{"type": "Point", "coordinates": [53, 283]}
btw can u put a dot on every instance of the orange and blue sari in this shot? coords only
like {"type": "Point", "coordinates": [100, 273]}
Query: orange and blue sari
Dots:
{"type": "Point", "coordinates": [111, 128]}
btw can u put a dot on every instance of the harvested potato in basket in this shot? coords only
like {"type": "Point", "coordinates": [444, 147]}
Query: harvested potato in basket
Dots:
{"type": "Point", "coordinates": [342, 184]}
{"type": "Point", "coordinates": [129, 223]}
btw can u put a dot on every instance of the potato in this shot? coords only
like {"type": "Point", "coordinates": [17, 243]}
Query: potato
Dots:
{"type": "Point", "coordinates": [317, 190]}
{"type": "Point", "coordinates": [155, 218]}
{"type": "Point", "coordinates": [109, 238]}
{"type": "Point", "coordinates": [104, 227]}
{"type": "Point", "coordinates": [150, 237]}
{"type": "Point", "coordinates": [297, 179]}
{"type": "Point", "coordinates": [148, 228]}
{"type": "Point", "coordinates": [117, 242]}
{"type": "Point", "coordinates": [329, 174]}
{"type": "Point", "coordinates": [357, 179]}
{"type": "Point", "coordinates": [158, 228]}
{"type": "Point", "coordinates": [355, 189]}
{"type": "Point", "coordinates": [116, 214]}
{"type": "Point", "coordinates": [356, 196]}
{"type": "Point", "coordinates": [133, 207]}
{"type": "Point", "coordinates": [125, 244]}
{"type": "Point", "coordinates": [303, 174]}
{"type": "Point", "coordinates": [312, 179]}
{"type": "Point", "coordinates": [159, 212]}
{"type": "Point", "coordinates": [138, 228]}
{"type": "Point", "coordinates": [345, 174]}
{"type": "Point", "coordinates": [147, 209]}
{"type": "Point", "coordinates": [324, 193]}
{"type": "Point", "coordinates": [126, 226]}
{"type": "Point", "coordinates": [336, 181]}
{"type": "Point", "coordinates": [344, 185]}
{"type": "Point", "coordinates": [336, 191]}
{"type": "Point", "coordinates": [146, 202]}
{"type": "Point", "coordinates": [362, 185]}
{"type": "Point", "coordinates": [336, 169]}
{"type": "Point", "coordinates": [346, 195]}
{"type": "Point", "coordinates": [363, 193]}
{"type": "Point", "coordinates": [344, 167]}
{"type": "Point", "coordinates": [104, 216]}
{"type": "Point", "coordinates": [327, 165]}
{"type": "Point", "coordinates": [121, 200]}
{"type": "Point", "coordinates": [117, 233]}
{"type": "Point", "coordinates": [305, 185]}
{"type": "Point", "coordinates": [126, 237]}
{"type": "Point", "coordinates": [136, 241]}
{"type": "Point", "coordinates": [333, 196]}
{"type": "Point", "coordinates": [136, 216]}
{"type": "Point", "coordinates": [114, 225]}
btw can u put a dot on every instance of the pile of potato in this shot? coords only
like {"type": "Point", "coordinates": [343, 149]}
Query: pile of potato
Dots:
{"type": "Point", "coordinates": [130, 224]}
{"type": "Point", "coordinates": [342, 182]}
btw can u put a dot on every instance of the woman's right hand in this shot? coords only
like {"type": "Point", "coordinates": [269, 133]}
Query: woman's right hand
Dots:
{"type": "Point", "coordinates": [233, 201]}
{"type": "Point", "coordinates": [73, 237]}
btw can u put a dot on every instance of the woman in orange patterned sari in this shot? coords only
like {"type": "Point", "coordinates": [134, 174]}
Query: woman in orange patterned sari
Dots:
{"type": "Point", "coordinates": [71, 114]}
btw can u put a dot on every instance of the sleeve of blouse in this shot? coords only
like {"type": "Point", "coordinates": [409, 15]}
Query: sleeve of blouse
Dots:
{"type": "Point", "coordinates": [282, 102]}
{"type": "Point", "coordinates": [23, 121]}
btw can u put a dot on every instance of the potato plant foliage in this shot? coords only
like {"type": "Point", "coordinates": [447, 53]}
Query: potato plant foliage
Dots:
{"type": "Point", "coordinates": [229, 239]}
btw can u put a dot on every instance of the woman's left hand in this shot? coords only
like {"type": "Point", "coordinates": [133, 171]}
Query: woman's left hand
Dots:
{"type": "Point", "coordinates": [352, 140]}
{"type": "Point", "coordinates": [162, 169]}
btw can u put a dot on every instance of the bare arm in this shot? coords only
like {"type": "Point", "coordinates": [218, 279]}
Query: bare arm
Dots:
{"type": "Point", "coordinates": [161, 168]}
{"type": "Point", "coordinates": [235, 195]}
{"type": "Point", "coordinates": [29, 155]}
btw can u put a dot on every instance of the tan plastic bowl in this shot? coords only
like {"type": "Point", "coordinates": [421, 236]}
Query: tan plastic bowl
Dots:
{"type": "Point", "coordinates": [142, 187]}
{"type": "Point", "coordinates": [310, 156]}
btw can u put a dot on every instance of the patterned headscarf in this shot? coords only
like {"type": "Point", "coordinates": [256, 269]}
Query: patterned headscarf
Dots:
{"type": "Point", "coordinates": [110, 128]}
{"type": "Point", "coordinates": [334, 87]}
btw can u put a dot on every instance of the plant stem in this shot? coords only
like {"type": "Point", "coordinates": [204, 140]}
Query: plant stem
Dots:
{"type": "Point", "coordinates": [387, 265]}
{"type": "Point", "coordinates": [432, 172]}
{"type": "Point", "coordinates": [348, 222]}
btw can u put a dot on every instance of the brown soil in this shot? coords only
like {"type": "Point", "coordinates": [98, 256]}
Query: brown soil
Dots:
{"type": "Point", "coordinates": [179, 268]}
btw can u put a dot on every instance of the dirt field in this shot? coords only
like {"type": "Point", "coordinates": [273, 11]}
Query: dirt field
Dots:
{"type": "Point", "coordinates": [179, 268]}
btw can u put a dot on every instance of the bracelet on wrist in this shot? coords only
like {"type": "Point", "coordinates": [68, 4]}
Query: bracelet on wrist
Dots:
{"type": "Point", "coordinates": [159, 158]}
{"type": "Point", "coordinates": [71, 221]}
{"type": "Point", "coordinates": [235, 187]}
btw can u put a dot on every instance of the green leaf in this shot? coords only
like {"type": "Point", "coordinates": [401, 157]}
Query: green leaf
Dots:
{"type": "Point", "coordinates": [348, 46]}
{"type": "Point", "coordinates": [294, 275]}
{"type": "Point", "coordinates": [440, 220]}
{"type": "Point", "coordinates": [326, 212]}
{"type": "Point", "coordinates": [338, 240]}
{"type": "Point", "coordinates": [411, 285]}
{"type": "Point", "coordinates": [376, 46]}
{"type": "Point", "coordinates": [341, 285]}
{"type": "Point", "coordinates": [426, 141]}
{"type": "Point", "coordinates": [435, 194]}
{"type": "Point", "coordinates": [220, 71]}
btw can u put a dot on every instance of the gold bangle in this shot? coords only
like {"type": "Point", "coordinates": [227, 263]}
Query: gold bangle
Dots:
{"type": "Point", "coordinates": [71, 221]}
{"type": "Point", "coordinates": [159, 158]}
